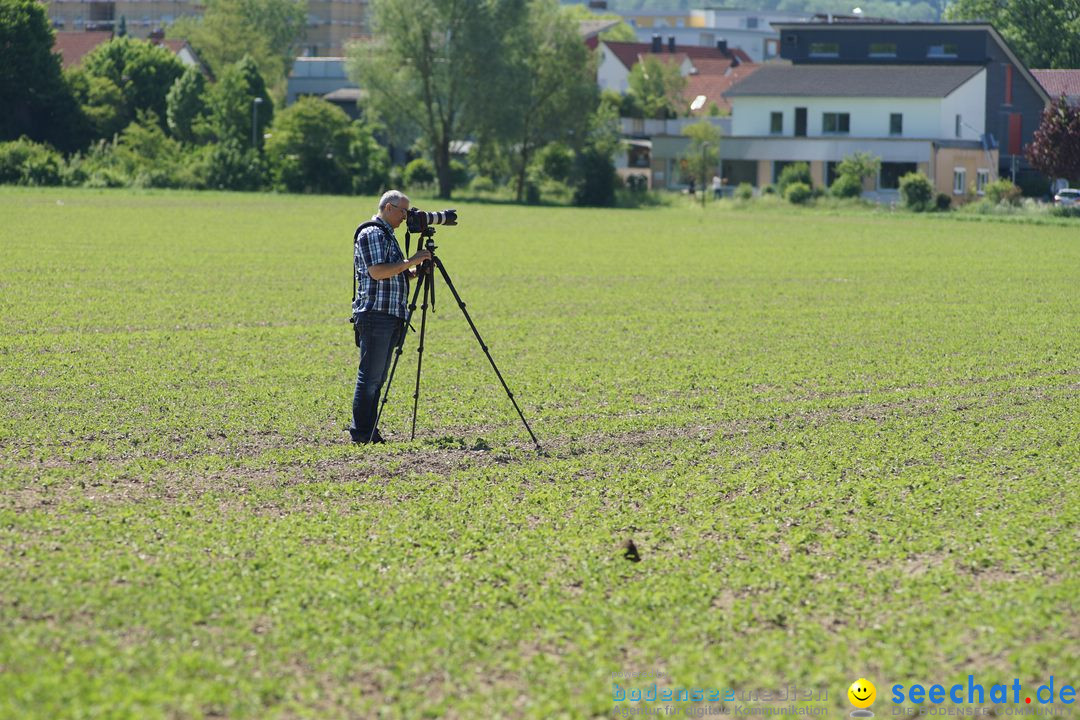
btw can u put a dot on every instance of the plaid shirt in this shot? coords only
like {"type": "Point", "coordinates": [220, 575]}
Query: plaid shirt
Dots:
{"type": "Point", "coordinates": [375, 246]}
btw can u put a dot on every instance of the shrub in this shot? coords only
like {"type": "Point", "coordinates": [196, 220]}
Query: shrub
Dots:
{"type": "Point", "coordinates": [1003, 191]}
{"type": "Point", "coordinates": [637, 182]}
{"type": "Point", "coordinates": [744, 191]}
{"type": "Point", "coordinates": [916, 191]}
{"type": "Point", "coordinates": [25, 162]}
{"type": "Point", "coordinates": [482, 184]}
{"type": "Point", "coordinates": [794, 173]}
{"type": "Point", "coordinates": [846, 186]}
{"type": "Point", "coordinates": [768, 190]}
{"type": "Point", "coordinates": [942, 202]}
{"type": "Point", "coordinates": [459, 174]}
{"type": "Point", "coordinates": [230, 165]}
{"type": "Point", "coordinates": [798, 193]}
{"type": "Point", "coordinates": [418, 172]}
{"type": "Point", "coordinates": [556, 161]}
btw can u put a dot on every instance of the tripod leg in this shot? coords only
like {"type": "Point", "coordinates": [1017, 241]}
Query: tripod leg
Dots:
{"type": "Point", "coordinates": [429, 280]}
{"type": "Point", "coordinates": [397, 357]}
{"type": "Point", "coordinates": [484, 347]}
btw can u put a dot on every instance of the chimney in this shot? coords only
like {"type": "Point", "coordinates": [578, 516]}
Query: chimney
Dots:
{"type": "Point", "coordinates": [657, 43]}
{"type": "Point", "coordinates": [721, 45]}
{"type": "Point", "coordinates": [671, 44]}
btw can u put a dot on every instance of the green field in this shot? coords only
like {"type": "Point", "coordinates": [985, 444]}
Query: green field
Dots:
{"type": "Point", "coordinates": [845, 444]}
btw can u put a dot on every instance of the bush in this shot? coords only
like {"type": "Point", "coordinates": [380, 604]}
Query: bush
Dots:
{"type": "Point", "coordinates": [744, 191]}
{"type": "Point", "coordinates": [24, 162]}
{"type": "Point", "coordinates": [798, 193]}
{"type": "Point", "coordinates": [482, 184]}
{"type": "Point", "coordinates": [1003, 191]}
{"type": "Point", "coordinates": [556, 161]}
{"type": "Point", "coordinates": [459, 174]}
{"type": "Point", "coordinates": [794, 173]}
{"type": "Point", "coordinates": [418, 172]}
{"type": "Point", "coordinates": [916, 191]}
{"type": "Point", "coordinates": [846, 186]}
{"type": "Point", "coordinates": [942, 202]}
{"type": "Point", "coordinates": [768, 190]}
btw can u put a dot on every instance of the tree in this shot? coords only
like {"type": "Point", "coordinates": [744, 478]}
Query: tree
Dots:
{"type": "Point", "coordinates": [1044, 33]}
{"type": "Point", "coordinates": [421, 67]}
{"type": "Point", "coordinates": [545, 89]}
{"type": "Point", "coordinates": [860, 165]}
{"type": "Point", "coordinates": [657, 87]}
{"type": "Point", "coordinates": [314, 147]}
{"type": "Point", "coordinates": [141, 71]}
{"type": "Point", "coordinates": [232, 104]}
{"type": "Point", "coordinates": [702, 156]}
{"type": "Point", "coordinates": [101, 102]}
{"type": "Point", "coordinates": [186, 105]}
{"type": "Point", "coordinates": [1055, 148]}
{"type": "Point", "coordinates": [596, 171]}
{"type": "Point", "coordinates": [35, 99]}
{"type": "Point", "coordinates": [266, 30]}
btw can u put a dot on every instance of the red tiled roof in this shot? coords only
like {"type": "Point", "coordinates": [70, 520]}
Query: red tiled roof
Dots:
{"type": "Point", "coordinates": [713, 84]}
{"type": "Point", "coordinates": [1058, 82]}
{"type": "Point", "coordinates": [74, 45]}
{"type": "Point", "coordinates": [628, 53]}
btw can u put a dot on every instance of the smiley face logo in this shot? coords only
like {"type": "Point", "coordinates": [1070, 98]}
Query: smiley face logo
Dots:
{"type": "Point", "coordinates": [862, 693]}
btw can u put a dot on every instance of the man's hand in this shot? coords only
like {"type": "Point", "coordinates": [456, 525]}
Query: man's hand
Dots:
{"type": "Point", "coordinates": [420, 257]}
{"type": "Point", "coordinates": [385, 271]}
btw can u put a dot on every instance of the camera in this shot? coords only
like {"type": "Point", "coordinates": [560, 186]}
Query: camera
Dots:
{"type": "Point", "coordinates": [417, 221]}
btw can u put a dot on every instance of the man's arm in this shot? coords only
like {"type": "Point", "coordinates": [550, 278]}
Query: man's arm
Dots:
{"type": "Point", "coordinates": [385, 271]}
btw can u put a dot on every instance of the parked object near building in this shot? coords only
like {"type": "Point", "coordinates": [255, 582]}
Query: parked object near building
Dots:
{"type": "Point", "coordinates": [1067, 197]}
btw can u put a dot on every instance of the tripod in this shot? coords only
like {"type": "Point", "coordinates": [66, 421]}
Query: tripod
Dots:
{"type": "Point", "coordinates": [426, 285]}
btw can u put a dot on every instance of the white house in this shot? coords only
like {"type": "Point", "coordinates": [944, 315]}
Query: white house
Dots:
{"type": "Point", "coordinates": [914, 117]}
{"type": "Point", "coordinates": [618, 58]}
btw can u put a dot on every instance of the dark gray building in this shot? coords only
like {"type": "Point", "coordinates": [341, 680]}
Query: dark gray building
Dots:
{"type": "Point", "coordinates": [1014, 98]}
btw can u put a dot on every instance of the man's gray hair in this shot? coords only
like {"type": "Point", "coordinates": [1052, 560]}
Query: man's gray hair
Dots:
{"type": "Point", "coordinates": [393, 197]}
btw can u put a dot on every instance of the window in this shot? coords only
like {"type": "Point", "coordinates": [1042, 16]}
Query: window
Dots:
{"type": "Point", "coordinates": [959, 181]}
{"type": "Point", "coordinates": [891, 172]}
{"type": "Point", "coordinates": [958, 122]}
{"type": "Point", "coordinates": [776, 123]}
{"type": "Point", "coordinates": [823, 49]}
{"type": "Point", "coordinates": [982, 179]}
{"type": "Point", "coordinates": [882, 49]}
{"type": "Point", "coordinates": [947, 50]}
{"type": "Point", "coordinates": [896, 124]}
{"type": "Point", "coordinates": [836, 123]}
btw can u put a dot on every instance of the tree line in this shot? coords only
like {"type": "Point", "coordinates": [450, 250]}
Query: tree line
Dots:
{"type": "Point", "coordinates": [513, 75]}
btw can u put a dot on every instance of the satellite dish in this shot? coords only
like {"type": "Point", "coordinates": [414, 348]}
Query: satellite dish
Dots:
{"type": "Point", "coordinates": [857, 11]}
{"type": "Point", "coordinates": [699, 102]}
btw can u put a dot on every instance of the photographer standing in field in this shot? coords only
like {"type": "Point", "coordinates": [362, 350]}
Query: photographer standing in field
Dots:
{"type": "Point", "coordinates": [379, 308]}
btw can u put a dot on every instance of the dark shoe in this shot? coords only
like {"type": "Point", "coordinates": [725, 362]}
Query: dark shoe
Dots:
{"type": "Point", "coordinates": [375, 439]}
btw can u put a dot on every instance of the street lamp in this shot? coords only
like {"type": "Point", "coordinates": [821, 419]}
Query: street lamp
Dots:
{"type": "Point", "coordinates": [255, 103]}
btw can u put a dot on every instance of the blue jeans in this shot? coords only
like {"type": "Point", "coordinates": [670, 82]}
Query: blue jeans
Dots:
{"type": "Point", "coordinates": [379, 334]}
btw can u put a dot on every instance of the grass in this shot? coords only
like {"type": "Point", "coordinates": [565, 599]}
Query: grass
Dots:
{"type": "Point", "coordinates": [845, 444]}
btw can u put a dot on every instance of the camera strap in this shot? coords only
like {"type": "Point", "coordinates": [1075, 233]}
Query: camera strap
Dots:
{"type": "Point", "coordinates": [355, 242]}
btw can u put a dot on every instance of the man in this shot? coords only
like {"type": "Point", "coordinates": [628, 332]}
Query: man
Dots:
{"type": "Point", "coordinates": [380, 308]}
